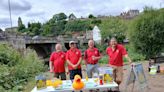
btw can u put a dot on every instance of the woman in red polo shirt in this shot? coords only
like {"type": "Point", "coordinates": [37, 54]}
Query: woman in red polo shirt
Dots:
{"type": "Point", "coordinates": [73, 57]}
{"type": "Point", "coordinates": [57, 62]}
{"type": "Point", "coordinates": [116, 52]}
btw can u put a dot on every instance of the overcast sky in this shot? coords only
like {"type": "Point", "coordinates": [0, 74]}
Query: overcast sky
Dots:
{"type": "Point", "coordinates": [43, 10]}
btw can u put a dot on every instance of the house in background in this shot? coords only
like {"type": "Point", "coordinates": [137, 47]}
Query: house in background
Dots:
{"type": "Point", "coordinates": [129, 14]}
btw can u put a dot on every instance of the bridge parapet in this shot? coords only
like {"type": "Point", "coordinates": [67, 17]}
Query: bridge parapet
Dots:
{"type": "Point", "coordinates": [38, 40]}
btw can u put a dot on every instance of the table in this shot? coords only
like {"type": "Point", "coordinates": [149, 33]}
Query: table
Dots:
{"type": "Point", "coordinates": [67, 86]}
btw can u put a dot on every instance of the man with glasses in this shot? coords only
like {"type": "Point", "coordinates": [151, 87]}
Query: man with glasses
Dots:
{"type": "Point", "coordinates": [73, 57]}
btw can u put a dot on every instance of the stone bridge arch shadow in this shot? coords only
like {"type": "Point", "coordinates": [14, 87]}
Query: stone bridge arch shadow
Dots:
{"type": "Point", "coordinates": [42, 50]}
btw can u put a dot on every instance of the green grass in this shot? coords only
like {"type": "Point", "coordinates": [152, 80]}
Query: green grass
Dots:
{"type": "Point", "coordinates": [104, 60]}
{"type": "Point", "coordinates": [30, 85]}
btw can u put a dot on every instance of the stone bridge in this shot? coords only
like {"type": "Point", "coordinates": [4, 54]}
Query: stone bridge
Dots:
{"type": "Point", "coordinates": [43, 46]}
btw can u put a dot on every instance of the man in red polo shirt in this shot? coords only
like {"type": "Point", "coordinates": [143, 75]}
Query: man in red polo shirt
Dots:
{"type": "Point", "coordinates": [57, 62]}
{"type": "Point", "coordinates": [73, 57]}
{"type": "Point", "coordinates": [116, 52]}
{"type": "Point", "coordinates": [91, 57]}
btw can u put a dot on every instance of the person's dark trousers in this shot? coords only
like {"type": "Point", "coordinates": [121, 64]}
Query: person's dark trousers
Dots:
{"type": "Point", "coordinates": [60, 75]}
{"type": "Point", "coordinates": [80, 91]}
{"type": "Point", "coordinates": [75, 72]}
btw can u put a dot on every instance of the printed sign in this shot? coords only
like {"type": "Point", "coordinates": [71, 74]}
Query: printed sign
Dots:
{"type": "Point", "coordinates": [136, 73]}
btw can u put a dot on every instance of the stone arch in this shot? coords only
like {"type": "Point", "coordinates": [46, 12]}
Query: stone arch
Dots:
{"type": "Point", "coordinates": [41, 52]}
{"type": "Point", "coordinates": [67, 46]}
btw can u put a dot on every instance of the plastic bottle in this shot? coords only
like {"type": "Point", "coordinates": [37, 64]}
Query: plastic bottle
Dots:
{"type": "Point", "coordinates": [158, 68]}
{"type": "Point", "coordinates": [86, 77]}
{"type": "Point", "coordinates": [101, 79]}
{"type": "Point", "coordinates": [149, 66]}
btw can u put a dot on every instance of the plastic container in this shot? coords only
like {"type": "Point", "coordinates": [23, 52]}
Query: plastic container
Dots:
{"type": "Point", "coordinates": [107, 74]}
{"type": "Point", "coordinates": [40, 81]}
{"type": "Point", "coordinates": [153, 70]}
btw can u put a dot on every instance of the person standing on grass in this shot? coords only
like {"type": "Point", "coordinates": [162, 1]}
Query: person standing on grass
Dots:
{"type": "Point", "coordinates": [116, 52]}
{"type": "Point", "coordinates": [91, 57]}
{"type": "Point", "coordinates": [73, 57]}
{"type": "Point", "coordinates": [57, 62]}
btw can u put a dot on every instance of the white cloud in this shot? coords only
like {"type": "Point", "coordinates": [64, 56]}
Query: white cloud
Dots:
{"type": "Point", "coordinates": [42, 10]}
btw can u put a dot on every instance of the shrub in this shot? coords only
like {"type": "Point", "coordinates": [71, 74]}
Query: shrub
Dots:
{"type": "Point", "coordinates": [8, 55]}
{"type": "Point", "coordinates": [101, 47]}
{"type": "Point", "coordinates": [133, 54]}
{"type": "Point", "coordinates": [104, 60]}
{"type": "Point", "coordinates": [14, 74]}
{"type": "Point", "coordinates": [113, 27]}
{"type": "Point", "coordinates": [147, 32]}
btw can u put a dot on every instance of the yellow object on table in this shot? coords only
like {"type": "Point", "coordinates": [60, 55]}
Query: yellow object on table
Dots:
{"type": "Point", "coordinates": [108, 78]}
{"type": "Point", "coordinates": [86, 78]}
{"type": "Point", "coordinates": [40, 81]}
{"type": "Point", "coordinates": [49, 83]}
{"type": "Point", "coordinates": [55, 83]}
{"type": "Point", "coordinates": [96, 80]}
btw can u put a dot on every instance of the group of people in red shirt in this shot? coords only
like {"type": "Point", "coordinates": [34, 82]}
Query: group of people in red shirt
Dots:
{"type": "Point", "coordinates": [73, 58]}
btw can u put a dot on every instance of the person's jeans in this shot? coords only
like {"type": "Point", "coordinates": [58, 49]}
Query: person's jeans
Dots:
{"type": "Point", "coordinates": [92, 68]}
{"type": "Point", "coordinates": [75, 72]}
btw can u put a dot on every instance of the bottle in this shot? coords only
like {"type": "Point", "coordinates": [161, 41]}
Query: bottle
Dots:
{"type": "Point", "coordinates": [101, 79]}
{"type": "Point", "coordinates": [158, 68]}
{"type": "Point", "coordinates": [86, 77]}
{"type": "Point", "coordinates": [96, 77]}
{"type": "Point", "coordinates": [149, 66]}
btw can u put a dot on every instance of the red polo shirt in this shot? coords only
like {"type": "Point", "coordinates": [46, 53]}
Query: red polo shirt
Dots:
{"type": "Point", "coordinates": [89, 53]}
{"type": "Point", "coordinates": [58, 60]}
{"type": "Point", "coordinates": [116, 56]}
{"type": "Point", "coordinates": [73, 56]}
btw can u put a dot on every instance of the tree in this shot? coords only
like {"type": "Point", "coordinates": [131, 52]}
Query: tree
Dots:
{"type": "Point", "coordinates": [29, 25]}
{"type": "Point", "coordinates": [46, 30]}
{"type": "Point", "coordinates": [1, 30]}
{"type": "Point", "coordinates": [147, 9]}
{"type": "Point", "coordinates": [113, 27]}
{"type": "Point", "coordinates": [21, 26]}
{"type": "Point", "coordinates": [147, 32]}
{"type": "Point", "coordinates": [77, 25]}
{"type": "Point", "coordinates": [62, 16]}
{"type": "Point", "coordinates": [19, 21]}
{"type": "Point", "coordinates": [57, 23]}
{"type": "Point", "coordinates": [58, 17]}
{"type": "Point", "coordinates": [34, 28]}
{"type": "Point", "coordinates": [91, 16]}
{"type": "Point", "coordinates": [96, 21]}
